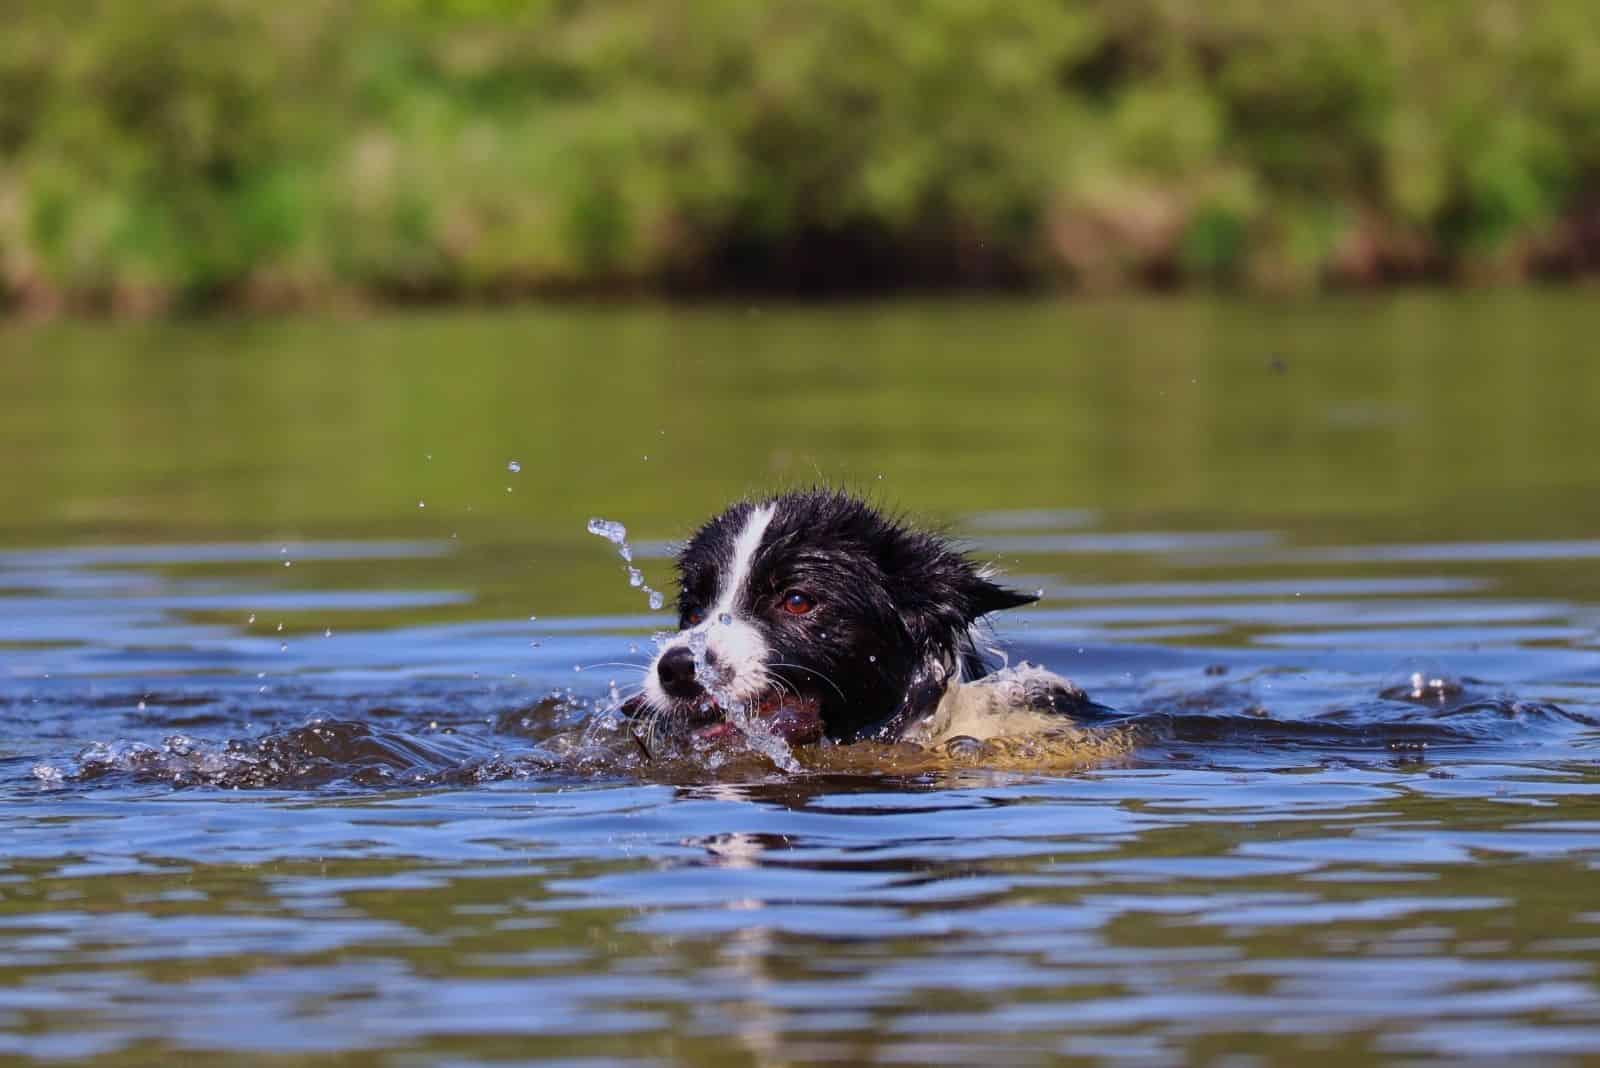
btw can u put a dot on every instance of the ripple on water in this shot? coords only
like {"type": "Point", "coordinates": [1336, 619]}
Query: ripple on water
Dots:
{"type": "Point", "coordinates": [1298, 839]}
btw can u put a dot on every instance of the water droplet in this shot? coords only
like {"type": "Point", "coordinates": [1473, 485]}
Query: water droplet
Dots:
{"type": "Point", "coordinates": [533, 619]}
{"type": "Point", "coordinates": [261, 674]}
{"type": "Point", "coordinates": [427, 456]}
{"type": "Point", "coordinates": [283, 550]}
{"type": "Point", "coordinates": [422, 504]}
{"type": "Point", "coordinates": [327, 632]}
{"type": "Point", "coordinates": [635, 577]}
{"type": "Point", "coordinates": [280, 628]}
{"type": "Point", "coordinates": [1039, 592]}
{"type": "Point", "coordinates": [633, 647]}
{"type": "Point", "coordinates": [872, 659]}
{"type": "Point", "coordinates": [283, 647]}
{"type": "Point", "coordinates": [252, 618]}
{"type": "Point", "coordinates": [656, 601]}
{"type": "Point", "coordinates": [515, 467]}
{"type": "Point", "coordinates": [288, 563]}
{"type": "Point", "coordinates": [725, 619]}
{"type": "Point", "coordinates": [610, 530]}
{"type": "Point", "coordinates": [141, 706]}
{"type": "Point", "coordinates": [533, 644]}
{"type": "Point", "coordinates": [577, 667]}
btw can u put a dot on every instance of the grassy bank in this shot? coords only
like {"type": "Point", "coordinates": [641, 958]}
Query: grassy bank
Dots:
{"type": "Point", "coordinates": [179, 153]}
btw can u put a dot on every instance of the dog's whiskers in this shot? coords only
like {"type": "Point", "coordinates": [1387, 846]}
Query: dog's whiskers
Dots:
{"type": "Point", "coordinates": [814, 671]}
{"type": "Point", "coordinates": [782, 684]}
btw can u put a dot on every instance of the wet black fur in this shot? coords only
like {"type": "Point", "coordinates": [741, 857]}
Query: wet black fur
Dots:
{"type": "Point", "coordinates": [895, 606]}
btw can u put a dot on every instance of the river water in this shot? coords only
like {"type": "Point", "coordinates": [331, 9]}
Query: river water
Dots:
{"type": "Point", "coordinates": [297, 763]}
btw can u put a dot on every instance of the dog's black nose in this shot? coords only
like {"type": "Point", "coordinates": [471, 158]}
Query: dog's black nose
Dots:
{"type": "Point", "coordinates": [676, 668]}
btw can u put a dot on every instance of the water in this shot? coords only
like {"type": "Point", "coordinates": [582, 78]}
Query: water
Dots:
{"type": "Point", "coordinates": [1337, 560]}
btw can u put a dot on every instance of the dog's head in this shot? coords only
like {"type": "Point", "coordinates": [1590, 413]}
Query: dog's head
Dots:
{"type": "Point", "coordinates": [817, 610]}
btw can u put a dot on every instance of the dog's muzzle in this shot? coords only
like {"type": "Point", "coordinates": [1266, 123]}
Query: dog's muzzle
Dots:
{"type": "Point", "coordinates": [676, 670]}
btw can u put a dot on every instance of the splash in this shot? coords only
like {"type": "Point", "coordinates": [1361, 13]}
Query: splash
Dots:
{"type": "Point", "coordinates": [760, 737]}
{"type": "Point", "coordinates": [617, 535]}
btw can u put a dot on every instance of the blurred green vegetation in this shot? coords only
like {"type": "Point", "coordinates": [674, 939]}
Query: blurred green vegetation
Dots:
{"type": "Point", "coordinates": [189, 152]}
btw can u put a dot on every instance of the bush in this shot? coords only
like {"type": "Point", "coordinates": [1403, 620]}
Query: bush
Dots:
{"type": "Point", "coordinates": [193, 151]}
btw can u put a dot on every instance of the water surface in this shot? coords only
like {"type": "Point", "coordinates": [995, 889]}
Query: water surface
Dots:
{"type": "Point", "coordinates": [278, 619]}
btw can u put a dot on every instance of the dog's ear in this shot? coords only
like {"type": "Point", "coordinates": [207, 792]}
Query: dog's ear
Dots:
{"type": "Point", "coordinates": [984, 596]}
{"type": "Point", "coordinates": [938, 610]}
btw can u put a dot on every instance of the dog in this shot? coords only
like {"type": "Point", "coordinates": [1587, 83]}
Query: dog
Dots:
{"type": "Point", "coordinates": [818, 616]}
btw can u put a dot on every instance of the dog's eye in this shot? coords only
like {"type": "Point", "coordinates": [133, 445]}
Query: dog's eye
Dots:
{"type": "Point", "coordinates": [797, 603]}
{"type": "Point", "coordinates": [693, 616]}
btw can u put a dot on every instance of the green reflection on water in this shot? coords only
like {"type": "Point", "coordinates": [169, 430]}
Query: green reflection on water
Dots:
{"type": "Point", "coordinates": [1448, 415]}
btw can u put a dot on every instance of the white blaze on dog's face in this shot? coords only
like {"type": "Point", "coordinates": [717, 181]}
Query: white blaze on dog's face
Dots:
{"type": "Point", "coordinates": [729, 650]}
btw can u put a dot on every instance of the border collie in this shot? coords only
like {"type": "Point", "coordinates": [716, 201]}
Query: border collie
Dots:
{"type": "Point", "coordinates": [817, 615]}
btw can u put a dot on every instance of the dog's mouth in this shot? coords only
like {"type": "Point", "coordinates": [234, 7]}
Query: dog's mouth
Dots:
{"type": "Point", "coordinates": [794, 717]}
